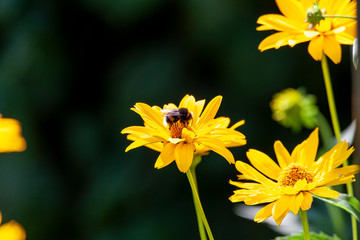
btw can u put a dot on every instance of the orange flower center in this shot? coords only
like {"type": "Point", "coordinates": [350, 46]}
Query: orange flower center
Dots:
{"type": "Point", "coordinates": [294, 172]}
{"type": "Point", "coordinates": [176, 128]}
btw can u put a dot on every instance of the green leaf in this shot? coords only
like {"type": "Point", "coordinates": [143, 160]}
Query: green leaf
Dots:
{"type": "Point", "coordinates": [346, 202]}
{"type": "Point", "coordinates": [313, 236]}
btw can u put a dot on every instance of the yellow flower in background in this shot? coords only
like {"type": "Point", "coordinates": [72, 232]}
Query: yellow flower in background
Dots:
{"type": "Point", "coordinates": [306, 20]}
{"type": "Point", "coordinates": [294, 108]}
{"type": "Point", "coordinates": [11, 231]}
{"type": "Point", "coordinates": [11, 139]}
{"type": "Point", "coordinates": [289, 186]}
{"type": "Point", "coordinates": [180, 132]}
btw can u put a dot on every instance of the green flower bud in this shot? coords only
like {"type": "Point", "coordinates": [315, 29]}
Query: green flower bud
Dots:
{"type": "Point", "coordinates": [314, 15]}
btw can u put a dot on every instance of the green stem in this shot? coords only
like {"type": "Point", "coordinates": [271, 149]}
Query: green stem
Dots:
{"type": "Point", "coordinates": [199, 208]}
{"type": "Point", "coordinates": [336, 126]}
{"type": "Point", "coordinates": [339, 16]}
{"type": "Point", "coordinates": [305, 224]}
{"type": "Point", "coordinates": [196, 161]}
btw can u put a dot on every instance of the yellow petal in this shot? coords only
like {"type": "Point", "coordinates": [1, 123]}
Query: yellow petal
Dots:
{"type": "Point", "coordinates": [306, 203]}
{"type": "Point", "coordinates": [143, 142]}
{"type": "Point", "coordinates": [187, 135]}
{"type": "Point", "coordinates": [345, 38]}
{"type": "Point", "coordinates": [210, 111]}
{"type": "Point", "coordinates": [295, 202]}
{"type": "Point", "coordinates": [278, 22]}
{"type": "Point", "coordinates": [332, 48]}
{"type": "Point", "coordinates": [188, 102]}
{"type": "Point", "coordinates": [217, 146]}
{"type": "Point", "coordinates": [184, 154]}
{"type": "Point", "coordinates": [264, 163]}
{"type": "Point", "coordinates": [281, 206]}
{"type": "Point", "coordinates": [325, 192]}
{"type": "Point", "coordinates": [280, 218]}
{"type": "Point", "coordinates": [264, 213]}
{"type": "Point", "coordinates": [12, 231]}
{"type": "Point", "coordinates": [166, 156]}
{"type": "Point", "coordinates": [275, 40]}
{"type": "Point", "coordinates": [11, 139]}
{"type": "Point", "coordinates": [310, 147]}
{"type": "Point", "coordinates": [292, 9]}
{"type": "Point", "coordinates": [282, 154]}
{"type": "Point", "coordinates": [252, 174]}
{"type": "Point", "coordinates": [315, 48]}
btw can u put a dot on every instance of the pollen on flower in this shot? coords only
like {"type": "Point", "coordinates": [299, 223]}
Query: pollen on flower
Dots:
{"type": "Point", "coordinates": [294, 172]}
{"type": "Point", "coordinates": [176, 128]}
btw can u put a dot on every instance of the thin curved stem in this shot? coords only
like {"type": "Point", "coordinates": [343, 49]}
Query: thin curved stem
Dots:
{"type": "Point", "coordinates": [336, 126]}
{"type": "Point", "coordinates": [305, 224]}
{"type": "Point", "coordinates": [199, 208]}
{"type": "Point", "coordinates": [339, 16]}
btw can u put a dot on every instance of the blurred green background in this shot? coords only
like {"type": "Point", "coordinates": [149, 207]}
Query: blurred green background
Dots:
{"type": "Point", "coordinates": [71, 70]}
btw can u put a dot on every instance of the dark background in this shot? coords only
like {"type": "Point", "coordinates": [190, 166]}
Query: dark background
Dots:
{"type": "Point", "coordinates": [71, 70]}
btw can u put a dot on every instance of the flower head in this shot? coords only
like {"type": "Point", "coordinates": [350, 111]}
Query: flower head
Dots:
{"type": "Point", "coordinates": [294, 108]}
{"type": "Point", "coordinates": [289, 186]}
{"type": "Point", "coordinates": [314, 21]}
{"type": "Point", "coordinates": [11, 231]}
{"type": "Point", "coordinates": [179, 132]}
{"type": "Point", "coordinates": [11, 139]}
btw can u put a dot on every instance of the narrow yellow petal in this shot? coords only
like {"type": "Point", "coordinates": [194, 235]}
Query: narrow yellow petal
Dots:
{"type": "Point", "coordinates": [251, 173]}
{"type": "Point", "coordinates": [188, 102]}
{"type": "Point", "coordinates": [184, 154]}
{"type": "Point", "coordinates": [12, 231]}
{"type": "Point", "coordinates": [282, 154]}
{"type": "Point", "coordinates": [217, 146]}
{"type": "Point", "coordinates": [264, 163]}
{"type": "Point", "coordinates": [315, 47]}
{"type": "Point", "coordinates": [281, 206]}
{"type": "Point", "coordinates": [143, 142]}
{"type": "Point", "coordinates": [279, 22]}
{"type": "Point", "coordinates": [280, 218]}
{"type": "Point", "coordinates": [295, 202]}
{"type": "Point", "coordinates": [275, 40]}
{"type": "Point", "coordinates": [325, 192]}
{"type": "Point", "coordinates": [310, 149]}
{"type": "Point", "coordinates": [210, 111]}
{"type": "Point", "coordinates": [306, 203]}
{"type": "Point", "coordinates": [332, 48]}
{"type": "Point", "coordinates": [264, 213]}
{"type": "Point", "coordinates": [166, 156]}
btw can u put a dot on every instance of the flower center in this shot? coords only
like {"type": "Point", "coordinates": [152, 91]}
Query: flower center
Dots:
{"type": "Point", "coordinates": [294, 172]}
{"type": "Point", "coordinates": [314, 15]}
{"type": "Point", "coordinates": [176, 128]}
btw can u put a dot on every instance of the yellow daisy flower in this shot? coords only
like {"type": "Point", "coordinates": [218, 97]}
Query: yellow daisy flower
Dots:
{"type": "Point", "coordinates": [289, 186]}
{"type": "Point", "coordinates": [11, 139]}
{"type": "Point", "coordinates": [11, 231]}
{"type": "Point", "coordinates": [306, 20]}
{"type": "Point", "coordinates": [179, 132]}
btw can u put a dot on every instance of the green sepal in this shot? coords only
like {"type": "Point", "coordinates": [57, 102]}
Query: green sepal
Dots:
{"type": "Point", "coordinates": [346, 202]}
{"type": "Point", "coordinates": [313, 236]}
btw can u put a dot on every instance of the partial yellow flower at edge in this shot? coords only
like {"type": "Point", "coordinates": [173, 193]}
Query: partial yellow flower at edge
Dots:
{"type": "Point", "coordinates": [325, 37]}
{"type": "Point", "coordinates": [12, 231]}
{"type": "Point", "coordinates": [195, 132]}
{"type": "Point", "coordinates": [289, 185]}
{"type": "Point", "coordinates": [11, 139]}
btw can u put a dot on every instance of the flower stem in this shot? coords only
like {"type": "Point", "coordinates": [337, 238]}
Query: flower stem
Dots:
{"type": "Point", "coordinates": [198, 206]}
{"type": "Point", "coordinates": [305, 224]}
{"type": "Point", "coordinates": [336, 126]}
{"type": "Point", "coordinates": [339, 16]}
{"type": "Point", "coordinates": [196, 161]}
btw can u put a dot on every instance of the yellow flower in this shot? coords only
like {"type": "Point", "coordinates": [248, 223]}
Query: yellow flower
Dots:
{"type": "Point", "coordinates": [289, 186]}
{"type": "Point", "coordinates": [324, 33]}
{"type": "Point", "coordinates": [11, 139]}
{"type": "Point", "coordinates": [180, 134]}
{"type": "Point", "coordinates": [11, 231]}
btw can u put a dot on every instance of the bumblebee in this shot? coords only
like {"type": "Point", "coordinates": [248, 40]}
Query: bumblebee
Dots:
{"type": "Point", "coordinates": [172, 116]}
